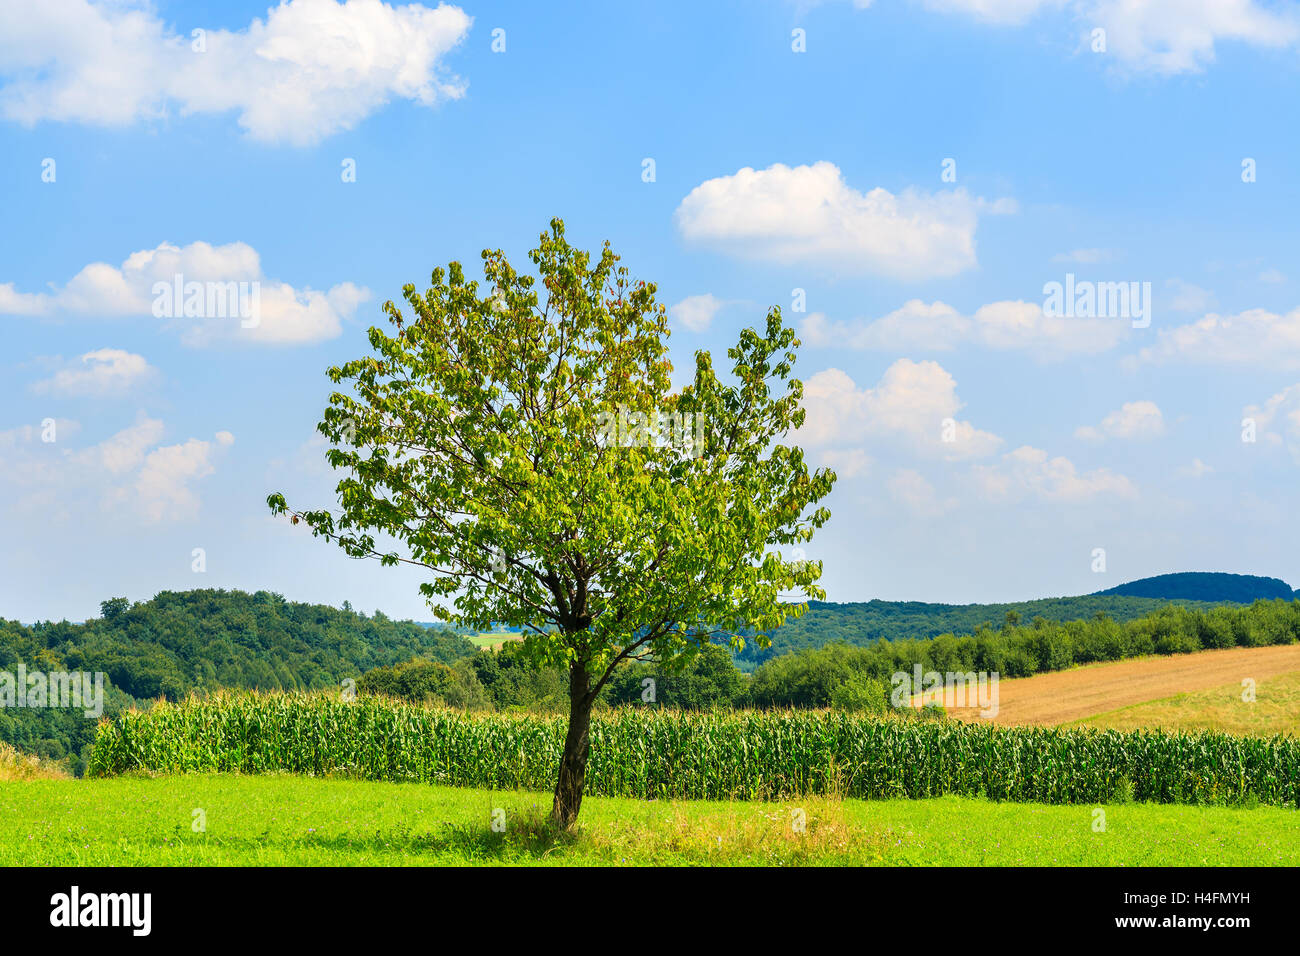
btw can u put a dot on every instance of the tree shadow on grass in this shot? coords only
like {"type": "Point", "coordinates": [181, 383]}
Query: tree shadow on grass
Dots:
{"type": "Point", "coordinates": [526, 837]}
{"type": "Point", "coordinates": [816, 832]}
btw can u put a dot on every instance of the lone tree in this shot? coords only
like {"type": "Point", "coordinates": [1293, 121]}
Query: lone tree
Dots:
{"type": "Point", "coordinates": [526, 445]}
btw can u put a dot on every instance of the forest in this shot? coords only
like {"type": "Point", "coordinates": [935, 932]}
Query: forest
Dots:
{"type": "Point", "coordinates": [180, 642]}
{"type": "Point", "coordinates": [862, 624]}
{"type": "Point", "coordinates": [843, 675]}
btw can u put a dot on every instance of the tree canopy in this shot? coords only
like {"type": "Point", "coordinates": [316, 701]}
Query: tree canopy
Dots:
{"type": "Point", "coordinates": [523, 441]}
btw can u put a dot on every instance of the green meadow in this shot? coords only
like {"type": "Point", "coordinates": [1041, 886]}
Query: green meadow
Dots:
{"type": "Point", "coordinates": [281, 819]}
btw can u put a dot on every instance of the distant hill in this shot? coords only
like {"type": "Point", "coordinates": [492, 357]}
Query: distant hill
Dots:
{"type": "Point", "coordinates": [865, 623]}
{"type": "Point", "coordinates": [203, 639]}
{"type": "Point", "coordinates": [1206, 586]}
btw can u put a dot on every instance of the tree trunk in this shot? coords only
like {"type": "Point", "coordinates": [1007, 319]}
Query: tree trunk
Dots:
{"type": "Point", "coordinates": [577, 745]}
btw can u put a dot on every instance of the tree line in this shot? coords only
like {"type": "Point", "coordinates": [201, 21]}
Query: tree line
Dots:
{"type": "Point", "coordinates": [863, 623]}
{"type": "Point", "coordinates": [845, 676]}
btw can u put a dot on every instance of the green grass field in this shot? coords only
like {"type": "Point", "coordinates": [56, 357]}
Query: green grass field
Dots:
{"type": "Point", "coordinates": [287, 820]}
{"type": "Point", "coordinates": [490, 641]}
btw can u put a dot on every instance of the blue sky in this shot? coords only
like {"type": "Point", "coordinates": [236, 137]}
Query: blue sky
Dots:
{"type": "Point", "coordinates": [774, 170]}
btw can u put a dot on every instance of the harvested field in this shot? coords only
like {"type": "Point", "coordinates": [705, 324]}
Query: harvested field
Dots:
{"type": "Point", "coordinates": [1275, 710]}
{"type": "Point", "coordinates": [1065, 696]}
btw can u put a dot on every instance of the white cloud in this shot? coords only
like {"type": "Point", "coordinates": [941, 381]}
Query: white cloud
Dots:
{"type": "Point", "coordinates": [1028, 472]}
{"type": "Point", "coordinates": [911, 490]}
{"type": "Point", "coordinates": [124, 451]}
{"type": "Point", "coordinates": [163, 486]}
{"type": "Point", "coordinates": [809, 214]}
{"type": "Point", "coordinates": [103, 372]}
{"type": "Point", "coordinates": [1255, 337]}
{"type": "Point", "coordinates": [1179, 36]}
{"type": "Point", "coordinates": [16, 438]}
{"type": "Point", "coordinates": [311, 69]}
{"type": "Point", "coordinates": [846, 462]}
{"type": "Point", "coordinates": [931, 326]}
{"type": "Point", "coordinates": [233, 293]}
{"type": "Point", "coordinates": [13, 302]}
{"type": "Point", "coordinates": [696, 312]}
{"type": "Point", "coordinates": [994, 11]}
{"type": "Point", "coordinates": [1157, 36]}
{"type": "Point", "coordinates": [912, 403]}
{"type": "Point", "coordinates": [1012, 325]}
{"type": "Point", "coordinates": [1133, 420]}
{"type": "Point", "coordinates": [1277, 421]}
{"type": "Point", "coordinates": [1196, 469]}
{"type": "Point", "coordinates": [130, 471]}
{"type": "Point", "coordinates": [937, 326]}
{"type": "Point", "coordinates": [1272, 276]}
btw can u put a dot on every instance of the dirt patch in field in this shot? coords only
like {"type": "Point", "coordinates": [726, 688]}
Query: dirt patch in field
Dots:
{"type": "Point", "coordinates": [1064, 696]}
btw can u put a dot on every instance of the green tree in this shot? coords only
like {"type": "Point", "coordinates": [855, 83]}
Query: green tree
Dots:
{"type": "Point", "coordinates": [113, 607]}
{"type": "Point", "coordinates": [527, 447]}
{"type": "Point", "coordinates": [707, 680]}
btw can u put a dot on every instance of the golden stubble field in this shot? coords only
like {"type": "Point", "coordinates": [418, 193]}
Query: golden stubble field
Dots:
{"type": "Point", "coordinates": [1063, 697]}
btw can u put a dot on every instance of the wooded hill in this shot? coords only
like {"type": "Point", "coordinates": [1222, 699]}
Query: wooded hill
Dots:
{"type": "Point", "coordinates": [1207, 586]}
{"type": "Point", "coordinates": [862, 624]}
{"type": "Point", "coordinates": [183, 641]}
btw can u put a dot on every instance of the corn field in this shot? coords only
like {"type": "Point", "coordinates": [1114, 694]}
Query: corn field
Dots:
{"type": "Point", "coordinates": [723, 755]}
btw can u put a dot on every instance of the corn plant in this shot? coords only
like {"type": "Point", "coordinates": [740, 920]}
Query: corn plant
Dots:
{"type": "Point", "coordinates": [654, 753]}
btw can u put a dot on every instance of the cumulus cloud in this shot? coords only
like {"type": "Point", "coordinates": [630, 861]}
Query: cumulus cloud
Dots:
{"type": "Point", "coordinates": [13, 302]}
{"type": "Point", "coordinates": [164, 485]}
{"type": "Point", "coordinates": [1277, 420]}
{"type": "Point", "coordinates": [1156, 36]}
{"type": "Point", "coordinates": [1133, 420]}
{"type": "Point", "coordinates": [311, 69]}
{"type": "Point", "coordinates": [1179, 36]}
{"type": "Point", "coordinates": [914, 403]}
{"type": "Point", "coordinates": [810, 215]}
{"type": "Point", "coordinates": [103, 372]}
{"type": "Point", "coordinates": [931, 326]}
{"type": "Point", "coordinates": [1028, 472]}
{"type": "Point", "coordinates": [846, 462]}
{"type": "Point", "coordinates": [122, 452]}
{"type": "Point", "coordinates": [1256, 337]}
{"type": "Point", "coordinates": [131, 471]}
{"type": "Point", "coordinates": [696, 312]}
{"type": "Point", "coordinates": [208, 292]}
{"type": "Point", "coordinates": [938, 327]}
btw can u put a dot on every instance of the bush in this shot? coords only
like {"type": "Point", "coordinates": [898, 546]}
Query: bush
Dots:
{"type": "Point", "coordinates": [1177, 644]}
